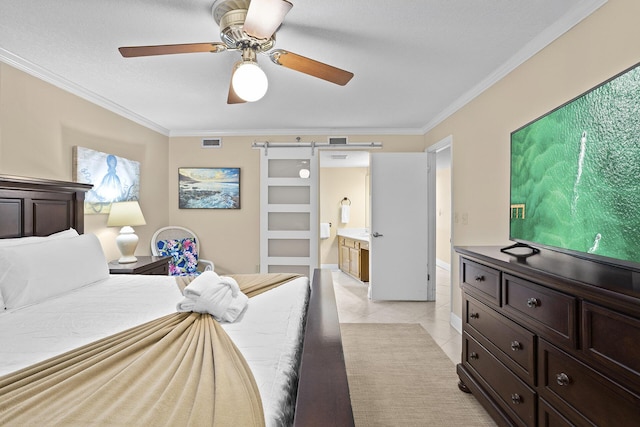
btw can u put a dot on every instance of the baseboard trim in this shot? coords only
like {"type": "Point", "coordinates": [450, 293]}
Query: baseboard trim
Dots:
{"type": "Point", "coordinates": [456, 322]}
{"type": "Point", "coordinates": [443, 265]}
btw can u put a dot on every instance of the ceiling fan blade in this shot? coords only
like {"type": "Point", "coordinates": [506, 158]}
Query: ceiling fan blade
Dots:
{"type": "Point", "coordinates": [310, 66]}
{"type": "Point", "coordinates": [168, 49]}
{"type": "Point", "coordinates": [264, 17]}
{"type": "Point", "coordinates": [233, 97]}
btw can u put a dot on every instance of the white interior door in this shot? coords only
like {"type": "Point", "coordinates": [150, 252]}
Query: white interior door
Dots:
{"type": "Point", "coordinates": [399, 244]}
{"type": "Point", "coordinates": [288, 210]}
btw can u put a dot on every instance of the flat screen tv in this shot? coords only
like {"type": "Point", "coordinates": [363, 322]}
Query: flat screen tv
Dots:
{"type": "Point", "coordinates": [575, 175]}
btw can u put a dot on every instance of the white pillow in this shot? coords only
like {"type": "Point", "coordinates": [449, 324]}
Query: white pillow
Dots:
{"type": "Point", "coordinates": [18, 241]}
{"type": "Point", "coordinates": [34, 272]}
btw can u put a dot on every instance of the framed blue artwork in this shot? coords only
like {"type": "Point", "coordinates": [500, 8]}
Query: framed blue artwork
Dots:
{"type": "Point", "coordinates": [209, 188]}
{"type": "Point", "coordinates": [114, 179]}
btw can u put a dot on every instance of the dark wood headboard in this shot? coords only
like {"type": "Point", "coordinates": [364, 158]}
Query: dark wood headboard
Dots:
{"type": "Point", "coordinates": [39, 207]}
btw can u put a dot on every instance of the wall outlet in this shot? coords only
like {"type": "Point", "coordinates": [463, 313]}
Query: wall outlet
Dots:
{"type": "Point", "coordinates": [465, 218]}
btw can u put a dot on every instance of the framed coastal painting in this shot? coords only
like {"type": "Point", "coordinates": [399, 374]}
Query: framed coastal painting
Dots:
{"type": "Point", "coordinates": [209, 188]}
{"type": "Point", "coordinates": [114, 178]}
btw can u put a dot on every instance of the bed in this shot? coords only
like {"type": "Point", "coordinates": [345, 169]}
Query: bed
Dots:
{"type": "Point", "coordinates": [34, 207]}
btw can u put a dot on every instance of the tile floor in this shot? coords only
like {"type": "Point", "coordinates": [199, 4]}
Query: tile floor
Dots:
{"type": "Point", "coordinates": [434, 316]}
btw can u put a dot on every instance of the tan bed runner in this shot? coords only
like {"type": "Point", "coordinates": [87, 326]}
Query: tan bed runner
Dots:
{"type": "Point", "coordinates": [158, 373]}
{"type": "Point", "coordinates": [250, 284]}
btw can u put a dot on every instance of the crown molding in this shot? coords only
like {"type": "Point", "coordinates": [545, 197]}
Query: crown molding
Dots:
{"type": "Point", "coordinates": [41, 73]}
{"type": "Point", "coordinates": [568, 21]}
{"type": "Point", "coordinates": [296, 132]}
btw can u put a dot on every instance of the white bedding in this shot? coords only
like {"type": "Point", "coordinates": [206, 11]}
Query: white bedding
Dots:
{"type": "Point", "coordinates": [268, 334]}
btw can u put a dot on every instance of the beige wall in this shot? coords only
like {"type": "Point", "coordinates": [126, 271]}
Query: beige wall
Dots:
{"type": "Point", "coordinates": [231, 238]}
{"type": "Point", "coordinates": [39, 126]}
{"type": "Point", "coordinates": [596, 49]}
{"type": "Point", "coordinates": [335, 184]}
{"type": "Point", "coordinates": [443, 215]}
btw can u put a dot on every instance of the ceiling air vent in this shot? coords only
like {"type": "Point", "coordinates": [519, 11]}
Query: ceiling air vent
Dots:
{"type": "Point", "coordinates": [212, 143]}
{"type": "Point", "coordinates": [337, 140]}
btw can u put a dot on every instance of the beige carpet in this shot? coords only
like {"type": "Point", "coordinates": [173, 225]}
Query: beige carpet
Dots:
{"type": "Point", "coordinates": [398, 376]}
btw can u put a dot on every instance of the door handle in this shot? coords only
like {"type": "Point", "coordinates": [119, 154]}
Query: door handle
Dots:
{"type": "Point", "coordinates": [376, 234]}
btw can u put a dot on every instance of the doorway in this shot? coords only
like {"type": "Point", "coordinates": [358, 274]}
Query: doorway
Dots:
{"type": "Point", "coordinates": [355, 185]}
{"type": "Point", "coordinates": [440, 218]}
{"type": "Point", "coordinates": [342, 174]}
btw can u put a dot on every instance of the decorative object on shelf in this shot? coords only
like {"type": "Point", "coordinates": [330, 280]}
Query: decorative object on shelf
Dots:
{"type": "Point", "coordinates": [209, 188]}
{"type": "Point", "coordinates": [126, 215]}
{"type": "Point", "coordinates": [114, 178]}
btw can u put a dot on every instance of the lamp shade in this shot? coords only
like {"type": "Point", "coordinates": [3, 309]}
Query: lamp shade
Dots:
{"type": "Point", "coordinates": [125, 213]}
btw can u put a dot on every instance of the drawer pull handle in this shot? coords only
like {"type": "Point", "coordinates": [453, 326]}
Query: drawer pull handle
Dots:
{"type": "Point", "coordinates": [479, 278]}
{"type": "Point", "coordinates": [515, 346]}
{"type": "Point", "coordinates": [473, 355]}
{"type": "Point", "coordinates": [474, 315]}
{"type": "Point", "coordinates": [563, 379]}
{"type": "Point", "coordinates": [533, 302]}
{"type": "Point", "coordinates": [516, 398]}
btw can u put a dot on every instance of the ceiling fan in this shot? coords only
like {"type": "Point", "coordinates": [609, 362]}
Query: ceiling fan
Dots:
{"type": "Point", "coordinates": [249, 26]}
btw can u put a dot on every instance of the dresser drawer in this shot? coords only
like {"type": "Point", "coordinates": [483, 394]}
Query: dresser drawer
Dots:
{"type": "Point", "coordinates": [513, 394]}
{"type": "Point", "coordinates": [481, 281]}
{"type": "Point", "coordinates": [158, 270]}
{"type": "Point", "coordinates": [612, 340]}
{"type": "Point", "coordinates": [548, 416]}
{"type": "Point", "coordinates": [550, 313]}
{"type": "Point", "coordinates": [514, 344]}
{"type": "Point", "coordinates": [572, 387]}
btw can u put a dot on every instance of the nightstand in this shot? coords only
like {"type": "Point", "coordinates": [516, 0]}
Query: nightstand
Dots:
{"type": "Point", "coordinates": [149, 265]}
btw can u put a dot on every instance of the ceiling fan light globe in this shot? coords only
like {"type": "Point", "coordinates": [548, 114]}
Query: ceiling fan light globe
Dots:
{"type": "Point", "coordinates": [250, 82]}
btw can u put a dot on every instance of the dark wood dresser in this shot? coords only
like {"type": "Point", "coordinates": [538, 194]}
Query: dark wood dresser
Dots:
{"type": "Point", "coordinates": [550, 340]}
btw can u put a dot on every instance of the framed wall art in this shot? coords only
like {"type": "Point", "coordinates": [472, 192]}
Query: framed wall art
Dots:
{"type": "Point", "coordinates": [114, 178]}
{"type": "Point", "coordinates": [209, 188]}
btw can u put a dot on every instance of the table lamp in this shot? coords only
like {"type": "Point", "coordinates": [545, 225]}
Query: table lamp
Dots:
{"type": "Point", "coordinates": [126, 215]}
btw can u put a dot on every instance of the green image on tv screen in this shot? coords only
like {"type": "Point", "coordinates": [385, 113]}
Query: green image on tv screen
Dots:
{"type": "Point", "coordinates": [575, 174]}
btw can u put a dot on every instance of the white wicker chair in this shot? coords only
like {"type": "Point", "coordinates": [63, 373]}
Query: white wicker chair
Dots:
{"type": "Point", "coordinates": [177, 232]}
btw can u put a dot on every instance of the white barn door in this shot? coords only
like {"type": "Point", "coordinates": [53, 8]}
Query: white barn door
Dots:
{"type": "Point", "coordinates": [288, 210]}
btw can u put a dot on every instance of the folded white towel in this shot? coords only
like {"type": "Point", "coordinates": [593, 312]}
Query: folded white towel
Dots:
{"type": "Point", "coordinates": [198, 285]}
{"type": "Point", "coordinates": [186, 304]}
{"type": "Point", "coordinates": [345, 211]}
{"type": "Point", "coordinates": [235, 309]}
{"type": "Point", "coordinates": [219, 296]}
{"type": "Point", "coordinates": [325, 231]}
{"type": "Point", "coordinates": [231, 283]}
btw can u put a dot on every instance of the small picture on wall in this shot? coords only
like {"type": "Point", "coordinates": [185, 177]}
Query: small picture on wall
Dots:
{"type": "Point", "coordinates": [114, 179]}
{"type": "Point", "coordinates": [209, 188]}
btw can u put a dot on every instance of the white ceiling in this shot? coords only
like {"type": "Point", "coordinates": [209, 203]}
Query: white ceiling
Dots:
{"type": "Point", "coordinates": [344, 159]}
{"type": "Point", "coordinates": [415, 62]}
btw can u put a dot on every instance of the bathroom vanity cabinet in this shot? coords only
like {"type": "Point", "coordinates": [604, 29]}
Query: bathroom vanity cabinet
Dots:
{"type": "Point", "coordinates": [354, 257]}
